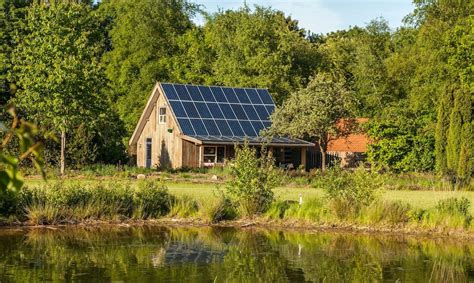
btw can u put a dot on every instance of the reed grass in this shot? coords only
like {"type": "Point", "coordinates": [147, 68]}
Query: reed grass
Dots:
{"type": "Point", "coordinates": [183, 207]}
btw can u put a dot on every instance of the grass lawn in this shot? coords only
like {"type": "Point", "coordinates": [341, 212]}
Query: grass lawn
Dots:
{"type": "Point", "coordinates": [203, 192]}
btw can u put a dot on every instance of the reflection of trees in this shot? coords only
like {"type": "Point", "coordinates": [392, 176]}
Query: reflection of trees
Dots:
{"type": "Point", "coordinates": [206, 254]}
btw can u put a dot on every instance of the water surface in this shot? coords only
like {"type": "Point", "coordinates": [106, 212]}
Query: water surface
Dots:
{"type": "Point", "coordinates": [205, 254]}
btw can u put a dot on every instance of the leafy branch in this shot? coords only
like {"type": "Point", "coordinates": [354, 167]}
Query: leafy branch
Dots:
{"type": "Point", "coordinates": [29, 147]}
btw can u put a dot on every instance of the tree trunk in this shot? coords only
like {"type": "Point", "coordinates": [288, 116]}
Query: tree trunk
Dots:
{"type": "Point", "coordinates": [323, 149]}
{"type": "Point", "coordinates": [63, 149]}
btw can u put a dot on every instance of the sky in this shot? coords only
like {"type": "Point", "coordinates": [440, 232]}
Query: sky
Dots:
{"type": "Point", "coordinates": [322, 16]}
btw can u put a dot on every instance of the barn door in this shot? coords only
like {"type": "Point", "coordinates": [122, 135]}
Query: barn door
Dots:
{"type": "Point", "coordinates": [148, 153]}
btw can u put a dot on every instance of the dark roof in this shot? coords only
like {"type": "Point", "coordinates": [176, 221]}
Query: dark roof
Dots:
{"type": "Point", "coordinates": [252, 140]}
{"type": "Point", "coordinates": [225, 115]}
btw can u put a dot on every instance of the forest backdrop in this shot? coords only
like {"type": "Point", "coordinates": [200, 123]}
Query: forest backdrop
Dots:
{"type": "Point", "coordinates": [85, 70]}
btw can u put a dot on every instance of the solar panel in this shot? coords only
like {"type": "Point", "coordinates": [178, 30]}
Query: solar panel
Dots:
{"type": "Point", "coordinates": [220, 113]}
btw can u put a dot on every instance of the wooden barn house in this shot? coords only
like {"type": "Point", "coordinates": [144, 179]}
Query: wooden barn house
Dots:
{"type": "Point", "coordinates": [196, 126]}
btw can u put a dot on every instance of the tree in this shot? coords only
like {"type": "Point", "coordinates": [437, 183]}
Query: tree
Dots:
{"type": "Point", "coordinates": [401, 140]}
{"type": "Point", "coordinates": [454, 147]}
{"type": "Point", "coordinates": [358, 56]}
{"type": "Point", "coordinates": [144, 38]}
{"type": "Point", "coordinates": [63, 89]}
{"type": "Point", "coordinates": [314, 112]}
{"type": "Point", "coordinates": [260, 48]}
{"type": "Point", "coordinates": [12, 13]}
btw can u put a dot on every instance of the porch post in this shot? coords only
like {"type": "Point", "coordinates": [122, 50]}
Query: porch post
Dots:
{"type": "Point", "coordinates": [200, 156]}
{"type": "Point", "coordinates": [303, 157]}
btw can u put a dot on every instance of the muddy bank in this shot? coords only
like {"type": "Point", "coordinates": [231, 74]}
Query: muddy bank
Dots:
{"type": "Point", "coordinates": [255, 224]}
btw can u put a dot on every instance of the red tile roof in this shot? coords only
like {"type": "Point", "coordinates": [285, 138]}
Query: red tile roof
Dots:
{"type": "Point", "coordinates": [354, 142]}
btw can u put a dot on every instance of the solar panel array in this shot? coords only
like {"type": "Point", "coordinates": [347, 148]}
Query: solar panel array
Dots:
{"type": "Point", "coordinates": [221, 114]}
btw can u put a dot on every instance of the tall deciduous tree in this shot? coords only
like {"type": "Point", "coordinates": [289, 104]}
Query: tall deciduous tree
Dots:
{"type": "Point", "coordinates": [57, 67]}
{"type": "Point", "coordinates": [314, 112]}
{"type": "Point", "coordinates": [259, 48]}
{"type": "Point", "coordinates": [144, 38]}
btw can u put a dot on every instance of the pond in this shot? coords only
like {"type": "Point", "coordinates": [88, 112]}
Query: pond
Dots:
{"type": "Point", "coordinates": [210, 254]}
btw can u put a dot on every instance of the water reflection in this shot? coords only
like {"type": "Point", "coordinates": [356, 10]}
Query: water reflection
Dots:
{"type": "Point", "coordinates": [163, 254]}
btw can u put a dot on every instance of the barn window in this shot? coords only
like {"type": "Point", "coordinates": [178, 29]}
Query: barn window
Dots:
{"type": "Point", "coordinates": [162, 115]}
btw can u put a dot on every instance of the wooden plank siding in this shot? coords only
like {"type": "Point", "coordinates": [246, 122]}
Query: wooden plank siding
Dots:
{"type": "Point", "coordinates": [190, 154]}
{"type": "Point", "coordinates": [166, 146]}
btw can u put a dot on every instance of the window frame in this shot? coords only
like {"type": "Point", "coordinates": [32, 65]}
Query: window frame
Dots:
{"type": "Point", "coordinates": [162, 117]}
{"type": "Point", "coordinates": [213, 155]}
{"type": "Point", "coordinates": [148, 144]}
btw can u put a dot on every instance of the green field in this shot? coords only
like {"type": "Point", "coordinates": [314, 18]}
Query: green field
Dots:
{"type": "Point", "coordinates": [206, 191]}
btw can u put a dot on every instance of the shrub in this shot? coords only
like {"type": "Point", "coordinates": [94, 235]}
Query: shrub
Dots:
{"type": "Point", "coordinates": [252, 180]}
{"type": "Point", "coordinates": [151, 200]}
{"type": "Point", "coordinates": [8, 202]}
{"type": "Point", "coordinates": [348, 192]}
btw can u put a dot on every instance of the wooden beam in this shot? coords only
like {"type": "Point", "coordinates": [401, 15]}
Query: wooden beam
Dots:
{"type": "Point", "coordinates": [303, 157]}
{"type": "Point", "coordinates": [201, 155]}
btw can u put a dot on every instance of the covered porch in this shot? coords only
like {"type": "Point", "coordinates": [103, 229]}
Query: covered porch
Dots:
{"type": "Point", "coordinates": [287, 157]}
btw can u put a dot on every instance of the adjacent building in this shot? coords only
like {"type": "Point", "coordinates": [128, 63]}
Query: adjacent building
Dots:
{"type": "Point", "coordinates": [350, 149]}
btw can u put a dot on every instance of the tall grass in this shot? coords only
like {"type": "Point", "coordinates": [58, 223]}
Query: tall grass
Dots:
{"type": "Point", "coordinates": [392, 213]}
{"type": "Point", "coordinates": [183, 207]}
{"type": "Point", "coordinates": [216, 210]}
{"type": "Point", "coordinates": [52, 204]}
{"type": "Point", "coordinates": [449, 214]}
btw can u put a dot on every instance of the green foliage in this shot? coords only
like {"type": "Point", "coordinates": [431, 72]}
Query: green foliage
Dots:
{"type": "Point", "coordinates": [100, 170]}
{"type": "Point", "coordinates": [401, 141]}
{"type": "Point", "coordinates": [313, 210]}
{"type": "Point", "coordinates": [64, 42]}
{"type": "Point", "coordinates": [252, 179]}
{"type": "Point", "coordinates": [348, 192]}
{"type": "Point", "coordinates": [144, 38]}
{"type": "Point", "coordinates": [358, 56]}
{"type": "Point", "coordinates": [259, 48]}
{"type": "Point", "coordinates": [50, 204]}
{"type": "Point", "coordinates": [313, 112]}
{"type": "Point", "coordinates": [12, 14]}
{"type": "Point", "coordinates": [25, 133]}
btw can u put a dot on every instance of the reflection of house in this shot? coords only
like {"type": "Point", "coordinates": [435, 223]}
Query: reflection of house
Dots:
{"type": "Point", "coordinates": [195, 126]}
{"type": "Point", "coordinates": [351, 148]}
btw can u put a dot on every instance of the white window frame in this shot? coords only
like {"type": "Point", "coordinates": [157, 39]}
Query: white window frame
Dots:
{"type": "Point", "coordinates": [161, 117]}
